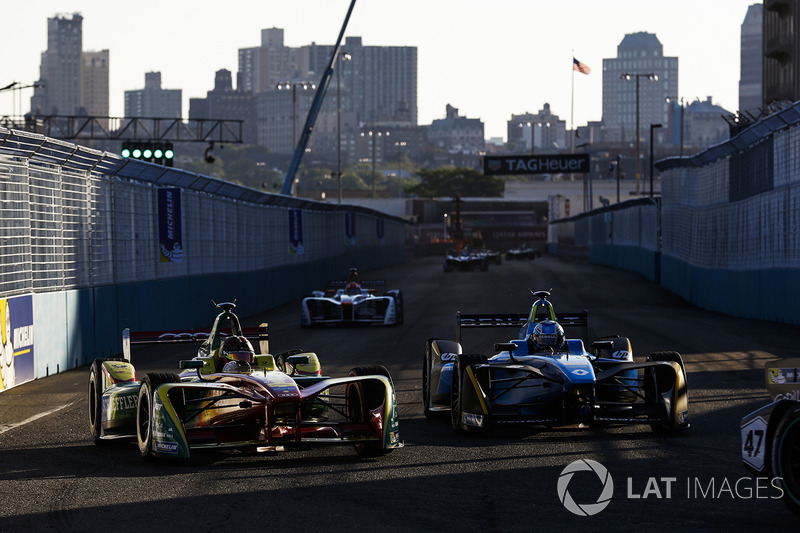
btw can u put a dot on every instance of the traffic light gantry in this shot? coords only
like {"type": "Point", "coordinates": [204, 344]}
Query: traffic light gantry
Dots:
{"type": "Point", "coordinates": [161, 153]}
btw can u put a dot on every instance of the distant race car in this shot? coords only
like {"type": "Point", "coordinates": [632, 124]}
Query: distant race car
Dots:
{"type": "Point", "coordinates": [353, 302]}
{"type": "Point", "coordinates": [465, 260]}
{"type": "Point", "coordinates": [546, 379]}
{"type": "Point", "coordinates": [771, 435]}
{"type": "Point", "coordinates": [522, 252]}
{"type": "Point", "coordinates": [493, 256]}
{"type": "Point", "coordinates": [230, 397]}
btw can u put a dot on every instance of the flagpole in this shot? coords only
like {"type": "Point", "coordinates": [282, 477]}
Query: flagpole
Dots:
{"type": "Point", "coordinates": [572, 107]}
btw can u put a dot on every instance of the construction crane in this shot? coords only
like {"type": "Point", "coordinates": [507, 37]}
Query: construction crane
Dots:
{"type": "Point", "coordinates": [322, 88]}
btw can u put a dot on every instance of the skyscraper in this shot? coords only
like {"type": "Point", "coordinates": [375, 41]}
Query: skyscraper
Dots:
{"type": "Point", "coordinates": [60, 69]}
{"type": "Point", "coordinates": [781, 68]}
{"type": "Point", "coordinates": [638, 54]}
{"type": "Point", "coordinates": [153, 101]}
{"type": "Point", "coordinates": [94, 83]}
{"type": "Point", "coordinates": [751, 60]}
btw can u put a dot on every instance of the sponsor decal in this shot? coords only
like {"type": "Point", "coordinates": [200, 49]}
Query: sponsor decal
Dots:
{"type": "Point", "coordinates": [165, 447]}
{"type": "Point", "coordinates": [449, 356]}
{"type": "Point", "coordinates": [620, 354]}
{"type": "Point", "coordinates": [791, 395]}
{"type": "Point", "coordinates": [536, 164]}
{"type": "Point", "coordinates": [580, 372]}
{"type": "Point", "coordinates": [471, 419]}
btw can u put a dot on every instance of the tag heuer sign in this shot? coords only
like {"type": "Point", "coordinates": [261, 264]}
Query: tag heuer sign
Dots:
{"type": "Point", "coordinates": [536, 164]}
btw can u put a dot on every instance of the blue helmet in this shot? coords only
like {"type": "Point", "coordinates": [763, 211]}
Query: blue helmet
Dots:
{"type": "Point", "coordinates": [548, 333]}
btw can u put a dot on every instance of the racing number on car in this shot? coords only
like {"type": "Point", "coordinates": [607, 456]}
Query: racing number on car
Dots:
{"type": "Point", "coordinates": [753, 442]}
{"type": "Point", "coordinates": [752, 450]}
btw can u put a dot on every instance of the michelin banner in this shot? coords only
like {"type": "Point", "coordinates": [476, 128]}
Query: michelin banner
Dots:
{"type": "Point", "coordinates": [170, 237]}
{"type": "Point", "coordinates": [296, 232]}
{"type": "Point", "coordinates": [349, 229]}
{"type": "Point", "coordinates": [16, 334]}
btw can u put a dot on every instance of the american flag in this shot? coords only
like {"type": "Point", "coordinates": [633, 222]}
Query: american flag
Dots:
{"type": "Point", "coordinates": [580, 67]}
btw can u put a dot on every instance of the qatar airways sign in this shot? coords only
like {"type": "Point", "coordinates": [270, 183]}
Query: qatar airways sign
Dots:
{"type": "Point", "coordinates": [536, 164]}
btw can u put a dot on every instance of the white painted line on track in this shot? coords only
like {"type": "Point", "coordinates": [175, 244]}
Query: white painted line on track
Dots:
{"type": "Point", "coordinates": [6, 427]}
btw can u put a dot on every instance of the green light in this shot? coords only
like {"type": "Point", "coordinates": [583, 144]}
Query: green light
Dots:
{"type": "Point", "coordinates": [126, 153]}
{"type": "Point", "coordinates": [137, 153]}
{"type": "Point", "coordinates": [157, 153]}
{"type": "Point", "coordinates": [169, 154]}
{"type": "Point", "coordinates": [148, 153]}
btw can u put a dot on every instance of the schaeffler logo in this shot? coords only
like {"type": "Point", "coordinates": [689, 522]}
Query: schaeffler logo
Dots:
{"type": "Point", "coordinates": [585, 509]}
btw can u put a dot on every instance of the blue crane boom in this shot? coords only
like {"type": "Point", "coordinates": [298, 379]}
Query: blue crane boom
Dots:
{"type": "Point", "coordinates": [322, 88]}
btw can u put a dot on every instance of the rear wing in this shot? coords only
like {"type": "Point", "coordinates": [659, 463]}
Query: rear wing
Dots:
{"type": "Point", "coordinates": [259, 336]}
{"type": "Point", "coordinates": [367, 284]}
{"type": "Point", "coordinates": [519, 320]}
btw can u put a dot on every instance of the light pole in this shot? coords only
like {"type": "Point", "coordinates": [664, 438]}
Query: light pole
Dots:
{"type": "Point", "coordinates": [652, 127]}
{"type": "Point", "coordinates": [627, 77]}
{"type": "Point", "coordinates": [285, 86]}
{"type": "Point", "coordinates": [373, 135]}
{"type": "Point", "coordinates": [680, 102]}
{"type": "Point", "coordinates": [444, 228]}
{"type": "Point", "coordinates": [587, 184]}
{"type": "Point", "coordinates": [399, 145]}
{"type": "Point", "coordinates": [342, 58]}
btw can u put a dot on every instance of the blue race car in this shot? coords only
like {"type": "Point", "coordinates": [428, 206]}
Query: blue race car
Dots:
{"type": "Point", "coordinates": [545, 379]}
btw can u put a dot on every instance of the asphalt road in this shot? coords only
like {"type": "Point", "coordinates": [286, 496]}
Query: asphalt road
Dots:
{"type": "Point", "coordinates": [52, 478]}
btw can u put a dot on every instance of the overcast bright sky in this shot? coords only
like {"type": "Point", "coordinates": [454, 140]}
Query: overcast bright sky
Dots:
{"type": "Point", "coordinates": [488, 58]}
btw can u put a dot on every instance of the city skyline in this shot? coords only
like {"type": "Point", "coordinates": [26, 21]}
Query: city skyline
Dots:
{"type": "Point", "coordinates": [472, 57]}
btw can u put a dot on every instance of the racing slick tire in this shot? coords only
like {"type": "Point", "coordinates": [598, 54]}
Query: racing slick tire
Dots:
{"type": "Point", "coordinates": [785, 447]}
{"type": "Point", "coordinates": [665, 427]}
{"type": "Point", "coordinates": [363, 397]}
{"type": "Point", "coordinates": [96, 395]}
{"type": "Point", "coordinates": [144, 409]}
{"type": "Point", "coordinates": [457, 387]}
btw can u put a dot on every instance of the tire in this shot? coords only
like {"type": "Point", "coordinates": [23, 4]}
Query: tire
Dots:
{"type": "Point", "coordinates": [398, 304]}
{"type": "Point", "coordinates": [144, 410]}
{"type": "Point", "coordinates": [675, 357]}
{"type": "Point", "coordinates": [456, 389]}
{"type": "Point", "coordinates": [96, 397]}
{"type": "Point", "coordinates": [361, 399]}
{"type": "Point", "coordinates": [785, 447]}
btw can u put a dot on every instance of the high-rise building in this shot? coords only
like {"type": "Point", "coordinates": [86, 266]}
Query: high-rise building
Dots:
{"type": "Point", "coordinates": [781, 67]}
{"type": "Point", "coordinates": [542, 132]}
{"type": "Point", "coordinates": [226, 103]}
{"type": "Point", "coordinates": [94, 84]}
{"type": "Point", "coordinates": [751, 60]}
{"type": "Point", "coordinates": [59, 84]}
{"type": "Point", "coordinates": [153, 101]}
{"type": "Point", "coordinates": [263, 67]}
{"type": "Point", "coordinates": [638, 56]}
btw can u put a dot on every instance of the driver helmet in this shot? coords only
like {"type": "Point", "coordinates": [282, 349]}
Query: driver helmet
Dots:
{"type": "Point", "coordinates": [548, 334]}
{"type": "Point", "coordinates": [236, 349]}
{"type": "Point", "coordinates": [353, 288]}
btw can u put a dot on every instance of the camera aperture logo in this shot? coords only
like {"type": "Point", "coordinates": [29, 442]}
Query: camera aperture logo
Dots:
{"type": "Point", "coordinates": [585, 509]}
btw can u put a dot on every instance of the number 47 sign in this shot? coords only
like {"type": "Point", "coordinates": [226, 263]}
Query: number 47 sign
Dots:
{"type": "Point", "coordinates": [753, 432]}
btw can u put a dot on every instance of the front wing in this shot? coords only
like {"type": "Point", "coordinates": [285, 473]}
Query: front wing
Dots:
{"type": "Point", "coordinates": [191, 416]}
{"type": "Point", "coordinates": [375, 310]}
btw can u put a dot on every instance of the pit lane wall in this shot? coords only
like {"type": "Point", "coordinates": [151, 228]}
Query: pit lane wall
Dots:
{"type": "Point", "coordinates": [93, 243]}
{"type": "Point", "coordinates": [725, 235]}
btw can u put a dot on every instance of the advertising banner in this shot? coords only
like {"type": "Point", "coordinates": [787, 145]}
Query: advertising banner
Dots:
{"type": "Point", "coordinates": [170, 237]}
{"type": "Point", "coordinates": [380, 231]}
{"type": "Point", "coordinates": [16, 334]}
{"type": "Point", "coordinates": [296, 231]}
{"type": "Point", "coordinates": [536, 164]}
{"type": "Point", "coordinates": [349, 229]}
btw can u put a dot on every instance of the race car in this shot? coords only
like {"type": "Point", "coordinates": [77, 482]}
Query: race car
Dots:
{"type": "Point", "coordinates": [771, 435]}
{"type": "Point", "coordinates": [353, 302]}
{"type": "Point", "coordinates": [545, 379]}
{"type": "Point", "coordinates": [229, 397]}
{"type": "Point", "coordinates": [522, 252]}
{"type": "Point", "coordinates": [465, 260]}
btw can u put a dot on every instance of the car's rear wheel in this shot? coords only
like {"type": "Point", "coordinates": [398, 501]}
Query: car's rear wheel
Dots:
{"type": "Point", "coordinates": [362, 397]}
{"type": "Point", "coordinates": [786, 457]}
{"type": "Point", "coordinates": [144, 409]}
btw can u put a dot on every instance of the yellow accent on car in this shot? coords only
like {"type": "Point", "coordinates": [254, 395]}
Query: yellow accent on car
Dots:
{"type": "Point", "coordinates": [474, 381]}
